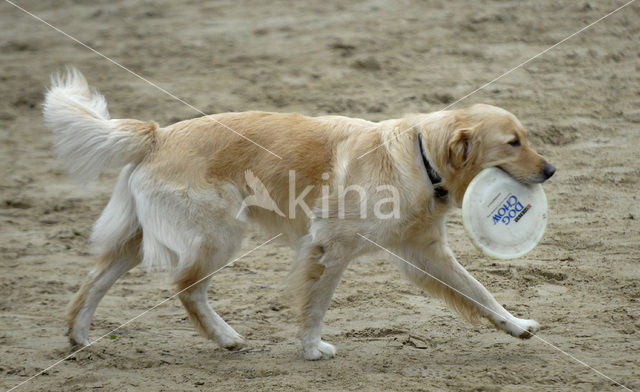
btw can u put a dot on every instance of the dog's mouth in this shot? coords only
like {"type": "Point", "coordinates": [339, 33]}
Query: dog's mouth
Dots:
{"type": "Point", "coordinates": [547, 171]}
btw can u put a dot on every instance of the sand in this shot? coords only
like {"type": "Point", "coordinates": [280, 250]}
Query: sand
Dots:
{"type": "Point", "coordinates": [372, 59]}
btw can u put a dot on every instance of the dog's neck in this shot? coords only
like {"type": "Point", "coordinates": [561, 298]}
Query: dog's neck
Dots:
{"type": "Point", "coordinates": [435, 178]}
{"type": "Point", "coordinates": [436, 130]}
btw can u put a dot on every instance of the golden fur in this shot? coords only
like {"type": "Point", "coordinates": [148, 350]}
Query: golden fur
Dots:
{"type": "Point", "coordinates": [177, 198]}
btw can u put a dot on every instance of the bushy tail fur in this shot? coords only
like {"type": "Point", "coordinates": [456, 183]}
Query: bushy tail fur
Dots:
{"type": "Point", "coordinates": [87, 141]}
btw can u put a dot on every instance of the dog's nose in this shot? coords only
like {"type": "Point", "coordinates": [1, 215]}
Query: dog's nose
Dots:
{"type": "Point", "coordinates": [548, 170]}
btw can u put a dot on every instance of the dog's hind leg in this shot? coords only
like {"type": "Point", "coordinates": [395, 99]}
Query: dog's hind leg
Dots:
{"type": "Point", "coordinates": [192, 231]}
{"type": "Point", "coordinates": [111, 266]}
{"type": "Point", "coordinates": [193, 283]}
{"type": "Point", "coordinates": [204, 318]}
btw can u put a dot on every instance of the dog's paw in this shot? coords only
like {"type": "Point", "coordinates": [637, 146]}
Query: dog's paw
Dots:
{"type": "Point", "coordinates": [323, 350]}
{"type": "Point", "coordinates": [78, 342]}
{"type": "Point", "coordinates": [519, 328]}
{"type": "Point", "coordinates": [232, 342]}
{"type": "Point", "coordinates": [523, 328]}
{"type": "Point", "coordinates": [529, 328]}
{"type": "Point", "coordinates": [78, 339]}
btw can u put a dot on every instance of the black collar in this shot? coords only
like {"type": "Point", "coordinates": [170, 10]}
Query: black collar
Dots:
{"type": "Point", "coordinates": [434, 177]}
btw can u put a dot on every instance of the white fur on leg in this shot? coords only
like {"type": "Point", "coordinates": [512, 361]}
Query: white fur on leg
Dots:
{"type": "Point", "coordinates": [231, 340]}
{"type": "Point", "coordinates": [118, 221]}
{"type": "Point", "coordinates": [79, 335]}
{"type": "Point", "coordinates": [97, 286]}
{"type": "Point", "coordinates": [213, 326]}
{"type": "Point", "coordinates": [319, 297]}
{"type": "Point", "coordinates": [319, 350]}
{"type": "Point", "coordinates": [314, 348]}
{"type": "Point", "coordinates": [520, 328]}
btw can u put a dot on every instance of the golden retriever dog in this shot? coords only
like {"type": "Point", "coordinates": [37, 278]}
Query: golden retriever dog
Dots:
{"type": "Point", "coordinates": [335, 187]}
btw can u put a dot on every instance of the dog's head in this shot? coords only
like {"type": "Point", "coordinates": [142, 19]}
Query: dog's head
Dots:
{"type": "Point", "coordinates": [485, 136]}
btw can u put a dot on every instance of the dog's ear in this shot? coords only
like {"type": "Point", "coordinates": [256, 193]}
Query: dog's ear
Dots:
{"type": "Point", "coordinates": [459, 147]}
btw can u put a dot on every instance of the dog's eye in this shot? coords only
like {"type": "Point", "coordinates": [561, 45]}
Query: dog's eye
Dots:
{"type": "Point", "coordinates": [515, 143]}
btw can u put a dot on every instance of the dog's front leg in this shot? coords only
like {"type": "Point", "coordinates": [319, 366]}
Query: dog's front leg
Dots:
{"type": "Point", "coordinates": [315, 277]}
{"type": "Point", "coordinates": [436, 270]}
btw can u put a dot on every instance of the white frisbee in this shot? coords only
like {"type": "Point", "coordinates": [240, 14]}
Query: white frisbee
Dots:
{"type": "Point", "coordinates": [504, 218]}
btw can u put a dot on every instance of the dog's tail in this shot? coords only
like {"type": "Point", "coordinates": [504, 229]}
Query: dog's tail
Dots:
{"type": "Point", "coordinates": [87, 141]}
